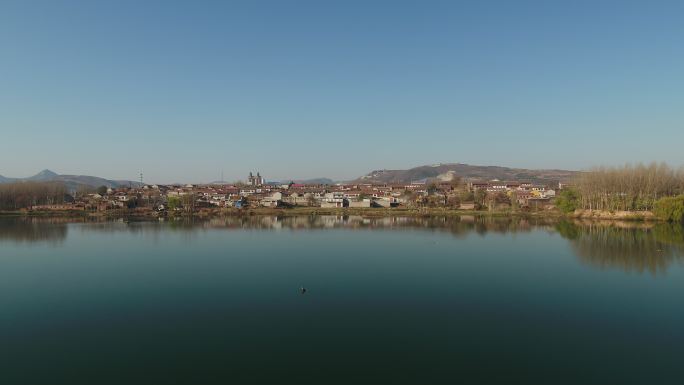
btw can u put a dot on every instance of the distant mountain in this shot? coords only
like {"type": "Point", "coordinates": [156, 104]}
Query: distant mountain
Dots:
{"type": "Point", "coordinates": [45, 175]}
{"type": "Point", "coordinates": [448, 171]}
{"type": "Point", "coordinates": [305, 181]}
{"type": "Point", "coordinates": [71, 181]}
{"type": "Point", "coordinates": [314, 181]}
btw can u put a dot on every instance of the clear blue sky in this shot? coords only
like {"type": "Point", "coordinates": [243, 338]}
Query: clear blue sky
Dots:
{"type": "Point", "coordinates": [183, 90]}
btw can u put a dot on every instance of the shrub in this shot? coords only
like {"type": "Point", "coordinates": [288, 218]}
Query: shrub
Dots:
{"type": "Point", "coordinates": [670, 209]}
{"type": "Point", "coordinates": [567, 200]}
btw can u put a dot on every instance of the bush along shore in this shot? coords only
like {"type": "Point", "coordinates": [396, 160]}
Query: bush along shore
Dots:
{"type": "Point", "coordinates": [670, 209]}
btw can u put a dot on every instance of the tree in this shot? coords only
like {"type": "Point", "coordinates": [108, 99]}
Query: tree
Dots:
{"type": "Point", "coordinates": [670, 209]}
{"type": "Point", "coordinates": [467, 196]}
{"type": "Point", "coordinates": [102, 190]}
{"type": "Point", "coordinates": [515, 206]}
{"type": "Point", "coordinates": [480, 196]}
{"type": "Point", "coordinates": [14, 196]}
{"type": "Point", "coordinates": [173, 203]}
{"type": "Point", "coordinates": [455, 182]}
{"type": "Point", "coordinates": [501, 197]}
{"type": "Point", "coordinates": [189, 202]}
{"type": "Point", "coordinates": [311, 200]}
{"type": "Point", "coordinates": [454, 201]}
{"type": "Point", "coordinates": [628, 187]}
{"type": "Point", "coordinates": [83, 190]}
{"type": "Point", "coordinates": [567, 201]}
{"type": "Point", "coordinates": [132, 203]}
{"type": "Point", "coordinates": [409, 198]}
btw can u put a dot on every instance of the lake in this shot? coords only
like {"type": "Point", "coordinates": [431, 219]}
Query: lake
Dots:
{"type": "Point", "coordinates": [471, 300]}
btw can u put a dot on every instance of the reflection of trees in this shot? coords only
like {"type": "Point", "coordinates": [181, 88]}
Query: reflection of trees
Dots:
{"type": "Point", "coordinates": [628, 246]}
{"type": "Point", "coordinates": [33, 230]}
{"type": "Point", "coordinates": [30, 229]}
{"type": "Point", "coordinates": [637, 248]}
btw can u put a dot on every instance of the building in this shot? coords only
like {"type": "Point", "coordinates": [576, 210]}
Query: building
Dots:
{"type": "Point", "coordinates": [257, 180]}
{"type": "Point", "coordinates": [385, 202]}
{"type": "Point", "coordinates": [274, 200]}
{"type": "Point", "coordinates": [478, 185]}
{"type": "Point", "coordinates": [334, 203]}
{"type": "Point", "coordinates": [364, 203]}
{"type": "Point", "coordinates": [299, 199]}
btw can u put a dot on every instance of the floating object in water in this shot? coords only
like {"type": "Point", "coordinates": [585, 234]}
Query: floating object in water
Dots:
{"type": "Point", "coordinates": [302, 290]}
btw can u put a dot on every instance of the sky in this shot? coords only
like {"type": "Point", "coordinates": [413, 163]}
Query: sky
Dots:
{"type": "Point", "coordinates": [186, 90]}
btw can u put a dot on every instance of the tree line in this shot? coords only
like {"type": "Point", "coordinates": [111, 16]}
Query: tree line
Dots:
{"type": "Point", "coordinates": [627, 188]}
{"type": "Point", "coordinates": [15, 196]}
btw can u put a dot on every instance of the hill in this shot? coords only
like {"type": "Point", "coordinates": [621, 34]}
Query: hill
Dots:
{"type": "Point", "coordinates": [448, 171]}
{"type": "Point", "coordinates": [309, 181]}
{"type": "Point", "coordinates": [71, 181]}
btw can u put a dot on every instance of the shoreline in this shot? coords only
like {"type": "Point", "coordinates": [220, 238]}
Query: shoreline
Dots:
{"type": "Point", "coordinates": [315, 211]}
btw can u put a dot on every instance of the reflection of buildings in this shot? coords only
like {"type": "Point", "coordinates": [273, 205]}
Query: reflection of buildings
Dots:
{"type": "Point", "coordinates": [458, 226]}
{"type": "Point", "coordinates": [630, 247]}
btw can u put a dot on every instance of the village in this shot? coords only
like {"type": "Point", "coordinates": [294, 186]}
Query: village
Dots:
{"type": "Point", "coordinates": [256, 193]}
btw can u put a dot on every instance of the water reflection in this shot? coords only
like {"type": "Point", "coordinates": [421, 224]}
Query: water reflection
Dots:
{"type": "Point", "coordinates": [628, 246]}
{"type": "Point", "coordinates": [33, 230]}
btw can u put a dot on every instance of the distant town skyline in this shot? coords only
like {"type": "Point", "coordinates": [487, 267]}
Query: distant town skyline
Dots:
{"type": "Point", "coordinates": [185, 91]}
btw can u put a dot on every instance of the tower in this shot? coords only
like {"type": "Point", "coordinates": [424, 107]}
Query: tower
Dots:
{"type": "Point", "coordinates": [257, 180]}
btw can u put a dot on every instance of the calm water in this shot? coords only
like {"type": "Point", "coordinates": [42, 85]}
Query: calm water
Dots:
{"type": "Point", "coordinates": [392, 300]}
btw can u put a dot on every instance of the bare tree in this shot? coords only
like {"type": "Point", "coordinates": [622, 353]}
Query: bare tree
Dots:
{"type": "Point", "coordinates": [628, 187]}
{"type": "Point", "coordinates": [14, 196]}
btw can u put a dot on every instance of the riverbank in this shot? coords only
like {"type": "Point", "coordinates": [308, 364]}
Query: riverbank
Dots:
{"type": "Point", "coordinates": [614, 215]}
{"type": "Point", "coordinates": [264, 211]}
{"type": "Point", "coordinates": [309, 211]}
